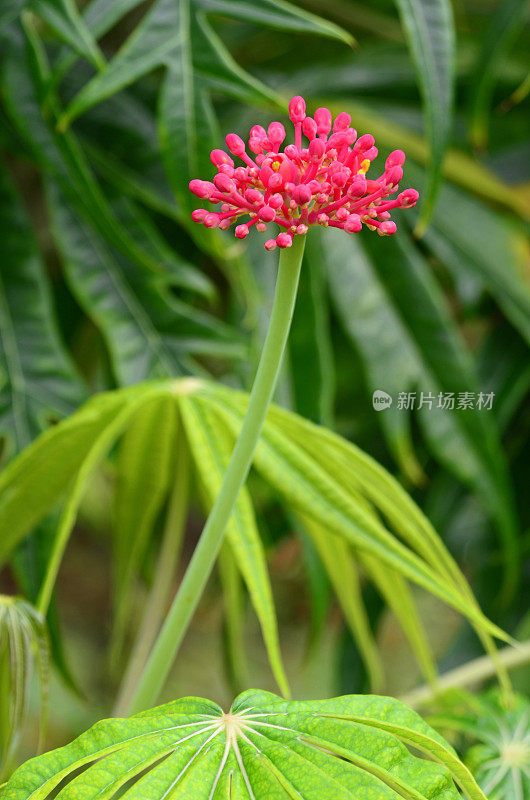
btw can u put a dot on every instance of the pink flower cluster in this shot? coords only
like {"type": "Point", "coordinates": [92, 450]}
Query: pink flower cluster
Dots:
{"type": "Point", "coordinates": [322, 184]}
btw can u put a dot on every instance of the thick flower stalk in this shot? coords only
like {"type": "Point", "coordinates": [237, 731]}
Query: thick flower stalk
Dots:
{"type": "Point", "coordinates": [319, 182]}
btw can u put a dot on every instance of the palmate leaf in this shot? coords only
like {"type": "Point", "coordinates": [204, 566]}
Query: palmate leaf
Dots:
{"type": "Point", "coordinates": [38, 382]}
{"type": "Point", "coordinates": [349, 748]}
{"type": "Point", "coordinates": [179, 37]}
{"type": "Point", "coordinates": [430, 30]}
{"type": "Point", "coordinates": [318, 475]}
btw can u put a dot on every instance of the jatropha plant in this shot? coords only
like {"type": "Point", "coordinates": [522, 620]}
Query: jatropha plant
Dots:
{"type": "Point", "coordinates": [324, 183]}
{"type": "Point", "coordinates": [266, 747]}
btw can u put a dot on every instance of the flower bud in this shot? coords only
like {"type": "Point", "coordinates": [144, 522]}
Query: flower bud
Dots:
{"type": "Point", "coordinates": [235, 144]}
{"type": "Point", "coordinates": [302, 194]}
{"type": "Point", "coordinates": [357, 187]}
{"type": "Point", "coordinates": [253, 195]}
{"type": "Point", "coordinates": [387, 228]}
{"type": "Point", "coordinates": [371, 154]}
{"type": "Point", "coordinates": [201, 188]}
{"type": "Point", "coordinates": [408, 198]}
{"type": "Point", "coordinates": [199, 214]}
{"type": "Point", "coordinates": [309, 127]}
{"type": "Point", "coordinates": [291, 151]}
{"type": "Point", "coordinates": [395, 159]}
{"type": "Point", "coordinates": [275, 181]}
{"type": "Point", "coordinates": [276, 133]}
{"type": "Point", "coordinates": [339, 179]}
{"type": "Point", "coordinates": [211, 220]}
{"type": "Point", "coordinates": [270, 244]}
{"type": "Point", "coordinates": [218, 157]}
{"type": "Point", "coordinates": [297, 109]}
{"type": "Point", "coordinates": [342, 121]}
{"type": "Point", "coordinates": [317, 149]}
{"type": "Point", "coordinates": [353, 224]}
{"type": "Point", "coordinates": [267, 214]}
{"type": "Point", "coordinates": [364, 142]}
{"type": "Point", "coordinates": [393, 176]}
{"type": "Point", "coordinates": [241, 231]}
{"type": "Point", "coordinates": [323, 121]}
{"type": "Point", "coordinates": [284, 240]}
{"type": "Point", "coordinates": [224, 183]}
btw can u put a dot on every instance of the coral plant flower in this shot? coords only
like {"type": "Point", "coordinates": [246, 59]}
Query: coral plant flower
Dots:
{"type": "Point", "coordinates": [320, 181]}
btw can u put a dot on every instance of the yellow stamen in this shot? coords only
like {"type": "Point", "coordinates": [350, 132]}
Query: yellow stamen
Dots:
{"type": "Point", "coordinates": [365, 166]}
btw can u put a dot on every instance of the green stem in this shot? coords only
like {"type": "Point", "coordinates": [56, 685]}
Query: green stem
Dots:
{"type": "Point", "coordinates": [206, 552]}
{"type": "Point", "coordinates": [164, 575]}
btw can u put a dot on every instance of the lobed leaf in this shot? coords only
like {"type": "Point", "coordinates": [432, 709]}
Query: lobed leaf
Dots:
{"type": "Point", "coordinates": [302, 478]}
{"type": "Point", "coordinates": [332, 484]}
{"type": "Point", "coordinates": [264, 749]}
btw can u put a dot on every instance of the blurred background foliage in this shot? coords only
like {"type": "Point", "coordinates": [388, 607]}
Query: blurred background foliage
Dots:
{"type": "Point", "coordinates": [107, 110]}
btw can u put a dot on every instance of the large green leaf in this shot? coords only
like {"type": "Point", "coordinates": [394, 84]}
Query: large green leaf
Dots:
{"type": "Point", "coordinates": [180, 38]}
{"type": "Point", "coordinates": [38, 383]}
{"type": "Point", "coordinates": [430, 30]}
{"type": "Point", "coordinates": [309, 486]}
{"type": "Point", "coordinates": [322, 477]}
{"type": "Point", "coordinates": [264, 749]}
